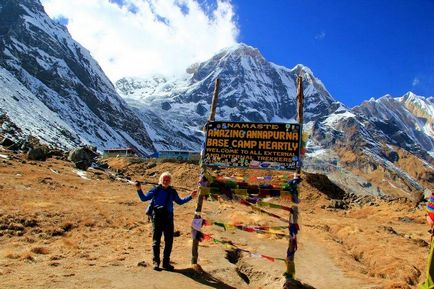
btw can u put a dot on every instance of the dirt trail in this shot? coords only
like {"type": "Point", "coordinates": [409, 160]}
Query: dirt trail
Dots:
{"type": "Point", "coordinates": [316, 267]}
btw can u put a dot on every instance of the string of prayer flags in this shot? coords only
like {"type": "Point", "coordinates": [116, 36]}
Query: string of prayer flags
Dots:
{"type": "Point", "coordinates": [253, 229]}
{"type": "Point", "coordinates": [253, 195]}
{"type": "Point", "coordinates": [227, 186]}
{"type": "Point", "coordinates": [267, 204]}
{"type": "Point", "coordinates": [287, 195]}
{"type": "Point", "coordinates": [196, 226]}
{"type": "Point", "coordinates": [244, 202]}
{"type": "Point", "coordinates": [267, 178]}
{"type": "Point", "coordinates": [260, 203]}
{"type": "Point", "coordinates": [207, 222]}
{"type": "Point", "coordinates": [242, 179]}
{"type": "Point", "coordinates": [205, 191]}
{"type": "Point", "coordinates": [230, 245]}
{"type": "Point", "coordinates": [255, 204]}
{"type": "Point", "coordinates": [241, 192]}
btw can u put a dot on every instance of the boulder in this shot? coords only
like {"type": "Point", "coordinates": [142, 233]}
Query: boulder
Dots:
{"type": "Point", "coordinates": [38, 153]}
{"type": "Point", "coordinates": [7, 142]}
{"type": "Point", "coordinates": [56, 153]}
{"type": "Point", "coordinates": [82, 157]}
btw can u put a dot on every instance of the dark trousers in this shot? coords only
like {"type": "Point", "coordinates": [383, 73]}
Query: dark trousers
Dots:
{"type": "Point", "coordinates": [162, 224]}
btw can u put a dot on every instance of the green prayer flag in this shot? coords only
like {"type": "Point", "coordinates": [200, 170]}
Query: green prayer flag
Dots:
{"type": "Point", "coordinates": [429, 283]}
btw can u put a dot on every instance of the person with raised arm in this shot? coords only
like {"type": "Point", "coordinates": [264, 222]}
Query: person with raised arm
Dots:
{"type": "Point", "coordinates": [161, 212]}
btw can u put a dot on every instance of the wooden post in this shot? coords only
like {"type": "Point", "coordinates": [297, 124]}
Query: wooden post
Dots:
{"type": "Point", "coordinates": [215, 97]}
{"type": "Point", "coordinates": [300, 101]}
{"type": "Point", "coordinates": [293, 217]}
{"type": "Point", "coordinates": [195, 247]}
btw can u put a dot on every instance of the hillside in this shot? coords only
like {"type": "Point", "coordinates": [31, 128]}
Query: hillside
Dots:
{"type": "Point", "coordinates": [53, 89]}
{"type": "Point", "coordinates": [60, 227]}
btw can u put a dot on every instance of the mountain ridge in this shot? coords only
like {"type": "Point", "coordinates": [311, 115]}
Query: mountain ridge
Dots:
{"type": "Point", "coordinates": [44, 58]}
{"type": "Point", "coordinates": [254, 90]}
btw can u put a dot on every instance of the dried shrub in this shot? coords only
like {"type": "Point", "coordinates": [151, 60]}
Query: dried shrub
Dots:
{"type": "Point", "coordinates": [70, 243]}
{"type": "Point", "coordinates": [13, 256]}
{"type": "Point", "coordinates": [28, 257]}
{"type": "Point", "coordinates": [40, 250]}
{"type": "Point", "coordinates": [67, 227]}
{"type": "Point", "coordinates": [89, 222]}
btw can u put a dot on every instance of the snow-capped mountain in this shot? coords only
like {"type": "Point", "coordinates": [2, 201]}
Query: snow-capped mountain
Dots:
{"type": "Point", "coordinates": [351, 148]}
{"type": "Point", "coordinates": [252, 89]}
{"type": "Point", "coordinates": [348, 144]}
{"type": "Point", "coordinates": [50, 87]}
{"type": "Point", "coordinates": [406, 121]}
{"type": "Point", "coordinates": [59, 80]}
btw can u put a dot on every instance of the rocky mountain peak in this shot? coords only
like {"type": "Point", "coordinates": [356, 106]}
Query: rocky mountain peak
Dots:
{"type": "Point", "coordinates": [303, 71]}
{"type": "Point", "coordinates": [420, 106]}
{"type": "Point", "coordinates": [244, 50]}
{"type": "Point", "coordinates": [22, 6]}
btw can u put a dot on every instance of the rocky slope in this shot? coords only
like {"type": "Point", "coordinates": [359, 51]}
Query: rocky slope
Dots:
{"type": "Point", "coordinates": [59, 80]}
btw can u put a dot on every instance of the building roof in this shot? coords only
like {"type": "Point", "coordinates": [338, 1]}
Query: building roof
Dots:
{"type": "Point", "coordinates": [177, 151]}
{"type": "Point", "coordinates": [119, 149]}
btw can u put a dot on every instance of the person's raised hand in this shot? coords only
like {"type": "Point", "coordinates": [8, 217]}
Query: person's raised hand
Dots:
{"type": "Point", "coordinates": [138, 185]}
{"type": "Point", "coordinates": [194, 194]}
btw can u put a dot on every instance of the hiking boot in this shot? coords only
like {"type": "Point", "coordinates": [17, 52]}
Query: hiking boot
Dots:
{"type": "Point", "coordinates": [156, 266]}
{"type": "Point", "coordinates": [168, 267]}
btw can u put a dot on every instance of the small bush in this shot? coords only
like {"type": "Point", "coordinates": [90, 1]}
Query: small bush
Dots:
{"type": "Point", "coordinates": [40, 250]}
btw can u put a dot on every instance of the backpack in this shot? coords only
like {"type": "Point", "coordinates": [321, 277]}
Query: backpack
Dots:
{"type": "Point", "coordinates": [151, 209]}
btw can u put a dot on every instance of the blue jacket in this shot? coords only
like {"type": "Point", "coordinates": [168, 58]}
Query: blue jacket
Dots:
{"type": "Point", "coordinates": [159, 194]}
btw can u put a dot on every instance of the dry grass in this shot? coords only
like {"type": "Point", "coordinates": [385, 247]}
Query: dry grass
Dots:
{"type": "Point", "coordinates": [13, 255]}
{"type": "Point", "coordinates": [105, 224]}
{"type": "Point", "coordinates": [70, 243]}
{"type": "Point", "coordinates": [27, 257]}
{"type": "Point", "coordinates": [40, 250]}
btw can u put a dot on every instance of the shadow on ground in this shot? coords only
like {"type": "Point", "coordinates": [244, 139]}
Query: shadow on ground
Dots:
{"type": "Point", "coordinates": [204, 278]}
{"type": "Point", "coordinates": [294, 284]}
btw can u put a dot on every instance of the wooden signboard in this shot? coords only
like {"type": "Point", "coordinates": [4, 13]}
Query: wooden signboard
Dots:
{"type": "Point", "coordinates": [273, 146]}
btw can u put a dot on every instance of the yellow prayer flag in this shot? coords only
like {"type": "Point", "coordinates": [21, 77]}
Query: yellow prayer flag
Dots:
{"type": "Point", "coordinates": [205, 191]}
{"type": "Point", "coordinates": [241, 192]}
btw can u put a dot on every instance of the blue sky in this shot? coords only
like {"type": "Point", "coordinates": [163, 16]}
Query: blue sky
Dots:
{"type": "Point", "coordinates": [359, 49]}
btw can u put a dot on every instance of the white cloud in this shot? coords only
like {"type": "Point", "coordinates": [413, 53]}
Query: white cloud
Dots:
{"type": "Point", "coordinates": [320, 36]}
{"type": "Point", "coordinates": [158, 37]}
{"type": "Point", "coordinates": [416, 81]}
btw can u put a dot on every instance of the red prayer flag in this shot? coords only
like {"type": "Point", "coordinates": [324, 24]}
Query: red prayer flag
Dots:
{"type": "Point", "coordinates": [268, 258]}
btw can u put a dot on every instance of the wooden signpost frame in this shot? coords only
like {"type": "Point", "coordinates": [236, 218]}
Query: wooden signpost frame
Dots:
{"type": "Point", "coordinates": [293, 217]}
